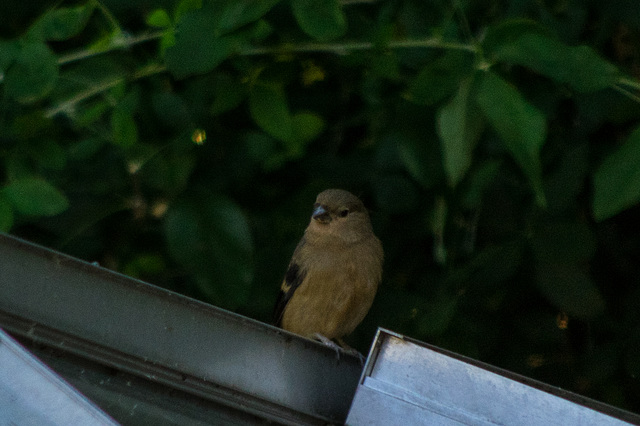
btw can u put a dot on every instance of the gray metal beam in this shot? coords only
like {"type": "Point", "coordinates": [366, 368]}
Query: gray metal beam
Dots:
{"type": "Point", "coordinates": [409, 382]}
{"type": "Point", "coordinates": [171, 339]}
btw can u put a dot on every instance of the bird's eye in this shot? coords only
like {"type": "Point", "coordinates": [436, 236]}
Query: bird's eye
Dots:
{"type": "Point", "coordinates": [343, 213]}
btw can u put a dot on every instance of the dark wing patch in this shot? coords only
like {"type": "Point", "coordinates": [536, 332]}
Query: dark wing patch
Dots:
{"type": "Point", "coordinates": [292, 280]}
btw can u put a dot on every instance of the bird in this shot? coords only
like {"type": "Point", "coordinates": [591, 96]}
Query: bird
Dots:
{"type": "Point", "coordinates": [334, 272]}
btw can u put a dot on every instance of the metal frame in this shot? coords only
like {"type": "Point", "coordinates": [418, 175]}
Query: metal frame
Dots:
{"type": "Point", "coordinates": [424, 385]}
{"type": "Point", "coordinates": [171, 340]}
{"type": "Point", "coordinates": [150, 356]}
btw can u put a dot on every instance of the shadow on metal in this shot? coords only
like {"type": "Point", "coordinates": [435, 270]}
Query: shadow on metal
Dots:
{"type": "Point", "coordinates": [144, 353]}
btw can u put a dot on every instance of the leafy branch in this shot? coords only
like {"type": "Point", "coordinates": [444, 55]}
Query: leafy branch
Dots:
{"type": "Point", "coordinates": [120, 41]}
{"type": "Point", "coordinates": [69, 105]}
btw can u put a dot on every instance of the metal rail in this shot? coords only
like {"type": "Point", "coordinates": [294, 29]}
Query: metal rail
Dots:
{"type": "Point", "coordinates": [107, 319]}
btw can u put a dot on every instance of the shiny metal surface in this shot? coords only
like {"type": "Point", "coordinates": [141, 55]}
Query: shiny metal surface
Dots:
{"type": "Point", "coordinates": [409, 382]}
{"type": "Point", "coordinates": [32, 394]}
{"type": "Point", "coordinates": [170, 339]}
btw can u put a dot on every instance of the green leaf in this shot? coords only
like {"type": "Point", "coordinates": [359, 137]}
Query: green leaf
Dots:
{"type": "Point", "coordinates": [566, 181]}
{"type": "Point", "coordinates": [521, 126]}
{"type": "Point", "coordinates": [265, 151]}
{"type": "Point", "coordinates": [440, 78]}
{"type": "Point", "coordinates": [17, 167]}
{"type": "Point", "coordinates": [386, 66]}
{"type": "Point", "coordinates": [6, 214]}
{"type": "Point", "coordinates": [616, 183]}
{"type": "Point", "coordinates": [260, 30]}
{"type": "Point", "coordinates": [306, 127]}
{"type": "Point", "coordinates": [459, 128]}
{"type": "Point", "coordinates": [9, 50]}
{"type": "Point", "coordinates": [123, 126]}
{"type": "Point", "coordinates": [168, 39]}
{"type": "Point", "coordinates": [185, 6]}
{"type": "Point", "coordinates": [169, 173]}
{"type": "Point", "coordinates": [31, 124]}
{"type": "Point", "coordinates": [49, 154]}
{"type": "Point", "coordinates": [171, 110]}
{"type": "Point", "coordinates": [269, 109]}
{"type": "Point", "coordinates": [210, 237]}
{"type": "Point", "coordinates": [395, 194]}
{"type": "Point", "coordinates": [35, 197]}
{"type": "Point", "coordinates": [144, 265]}
{"type": "Point", "coordinates": [186, 238]}
{"type": "Point", "coordinates": [197, 50]}
{"type": "Point", "coordinates": [33, 74]}
{"type": "Point", "coordinates": [494, 264]}
{"type": "Point", "coordinates": [228, 93]}
{"type": "Point", "coordinates": [509, 31]}
{"type": "Point", "coordinates": [564, 242]}
{"type": "Point", "coordinates": [63, 23]}
{"type": "Point", "coordinates": [570, 288]}
{"type": "Point", "coordinates": [589, 71]}
{"type": "Point", "coordinates": [85, 149]}
{"type": "Point", "coordinates": [159, 18]}
{"type": "Point", "coordinates": [237, 13]}
{"type": "Point", "coordinates": [91, 112]}
{"type": "Point", "coordinates": [479, 181]}
{"type": "Point", "coordinates": [421, 158]}
{"type": "Point", "coordinates": [580, 67]}
{"type": "Point", "coordinates": [321, 19]}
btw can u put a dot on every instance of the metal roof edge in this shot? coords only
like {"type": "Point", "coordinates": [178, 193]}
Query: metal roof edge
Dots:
{"type": "Point", "coordinates": [174, 340]}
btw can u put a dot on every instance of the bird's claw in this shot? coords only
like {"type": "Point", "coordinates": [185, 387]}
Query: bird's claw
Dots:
{"type": "Point", "coordinates": [328, 342]}
{"type": "Point", "coordinates": [348, 349]}
{"type": "Point", "coordinates": [339, 347]}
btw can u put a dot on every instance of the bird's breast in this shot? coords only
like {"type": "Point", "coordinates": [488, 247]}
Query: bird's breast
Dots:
{"type": "Point", "coordinates": [337, 292]}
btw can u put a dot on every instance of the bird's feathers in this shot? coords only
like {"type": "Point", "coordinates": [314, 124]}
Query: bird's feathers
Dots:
{"type": "Point", "coordinates": [334, 271]}
{"type": "Point", "coordinates": [292, 279]}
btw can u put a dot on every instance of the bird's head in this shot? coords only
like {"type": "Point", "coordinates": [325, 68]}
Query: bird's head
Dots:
{"type": "Point", "coordinates": [339, 214]}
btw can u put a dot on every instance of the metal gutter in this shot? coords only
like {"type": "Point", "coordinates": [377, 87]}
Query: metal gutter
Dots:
{"type": "Point", "coordinates": [406, 381]}
{"type": "Point", "coordinates": [171, 340]}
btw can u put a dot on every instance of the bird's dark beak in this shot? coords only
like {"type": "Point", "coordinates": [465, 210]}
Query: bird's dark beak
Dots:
{"type": "Point", "coordinates": [321, 214]}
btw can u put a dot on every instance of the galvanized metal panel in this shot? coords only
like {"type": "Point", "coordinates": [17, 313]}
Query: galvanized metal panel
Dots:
{"type": "Point", "coordinates": [408, 382]}
{"type": "Point", "coordinates": [32, 394]}
{"type": "Point", "coordinates": [172, 339]}
{"type": "Point", "coordinates": [134, 400]}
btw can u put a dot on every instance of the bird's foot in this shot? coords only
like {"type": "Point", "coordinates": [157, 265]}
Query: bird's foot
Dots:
{"type": "Point", "coordinates": [341, 346]}
{"type": "Point", "coordinates": [348, 349]}
{"type": "Point", "coordinates": [328, 342]}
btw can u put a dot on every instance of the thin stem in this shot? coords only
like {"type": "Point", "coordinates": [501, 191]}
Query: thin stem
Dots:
{"type": "Point", "coordinates": [123, 43]}
{"type": "Point", "coordinates": [433, 43]}
{"type": "Point", "coordinates": [108, 15]}
{"type": "Point", "coordinates": [629, 82]}
{"type": "Point", "coordinates": [344, 48]}
{"type": "Point", "coordinates": [70, 103]}
{"type": "Point", "coordinates": [354, 2]}
{"type": "Point", "coordinates": [629, 94]}
{"type": "Point", "coordinates": [92, 91]}
{"type": "Point", "coordinates": [464, 22]}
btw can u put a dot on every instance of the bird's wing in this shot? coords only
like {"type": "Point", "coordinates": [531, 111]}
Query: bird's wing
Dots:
{"type": "Point", "coordinates": [292, 280]}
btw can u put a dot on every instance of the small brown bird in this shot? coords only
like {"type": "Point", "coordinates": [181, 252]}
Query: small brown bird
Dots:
{"type": "Point", "coordinates": [334, 272]}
